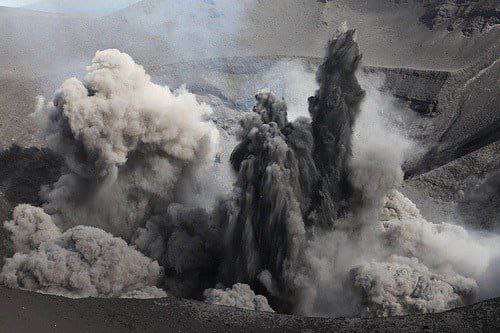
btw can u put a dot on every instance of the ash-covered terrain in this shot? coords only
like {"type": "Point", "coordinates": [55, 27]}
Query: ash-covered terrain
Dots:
{"type": "Point", "coordinates": [257, 155]}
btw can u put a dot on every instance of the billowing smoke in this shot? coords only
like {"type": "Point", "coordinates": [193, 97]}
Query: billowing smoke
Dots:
{"type": "Point", "coordinates": [133, 152]}
{"type": "Point", "coordinates": [314, 220]}
{"type": "Point", "coordinates": [414, 265]}
{"type": "Point", "coordinates": [265, 228]}
{"type": "Point", "coordinates": [128, 145]}
{"type": "Point", "coordinates": [185, 241]}
{"type": "Point", "coordinates": [403, 285]}
{"type": "Point", "coordinates": [315, 217]}
{"type": "Point", "coordinates": [240, 296]}
{"type": "Point", "coordinates": [81, 262]}
{"type": "Point", "coordinates": [375, 169]}
{"type": "Point", "coordinates": [293, 176]}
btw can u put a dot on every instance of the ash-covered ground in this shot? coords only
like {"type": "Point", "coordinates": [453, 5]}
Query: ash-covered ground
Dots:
{"type": "Point", "coordinates": [275, 180]}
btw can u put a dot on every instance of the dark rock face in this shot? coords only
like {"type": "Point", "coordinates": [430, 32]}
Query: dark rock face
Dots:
{"type": "Point", "coordinates": [472, 17]}
{"type": "Point", "coordinates": [22, 173]}
{"type": "Point", "coordinates": [480, 205]}
{"type": "Point", "coordinates": [424, 108]}
{"type": "Point", "coordinates": [418, 89]}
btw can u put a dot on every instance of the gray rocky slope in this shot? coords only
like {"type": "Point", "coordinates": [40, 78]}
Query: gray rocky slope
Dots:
{"type": "Point", "coordinates": [27, 312]}
{"type": "Point", "coordinates": [38, 50]}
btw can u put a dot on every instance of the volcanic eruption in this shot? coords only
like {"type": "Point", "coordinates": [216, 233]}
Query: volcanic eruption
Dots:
{"type": "Point", "coordinates": [313, 220]}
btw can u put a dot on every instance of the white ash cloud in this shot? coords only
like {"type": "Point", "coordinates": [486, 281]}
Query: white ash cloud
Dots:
{"type": "Point", "coordinates": [444, 265]}
{"type": "Point", "coordinates": [386, 259]}
{"type": "Point", "coordinates": [240, 296]}
{"type": "Point", "coordinates": [81, 262]}
{"type": "Point", "coordinates": [137, 157]}
{"type": "Point", "coordinates": [417, 266]}
{"type": "Point", "coordinates": [127, 142]}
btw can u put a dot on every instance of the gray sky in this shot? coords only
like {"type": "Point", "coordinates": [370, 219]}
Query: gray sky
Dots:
{"type": "Point", "coordinates": [15, 3]}
{"type": "Point", "coordinates": [71, 6]}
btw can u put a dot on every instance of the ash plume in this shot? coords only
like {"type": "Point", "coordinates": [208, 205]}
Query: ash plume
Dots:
{"type": "Point", "coordinates": [127, 143]}
{"type": "Point", "coordinates": [314, 220]}
{"type": "Point", "coordinates": [264, 229]}
{"type": "Point", "coordinates": [133, 155]}
{"type": "Point", "coordinates": [333, 111]}
{"type": "Point", "coordinates": [291, 176]}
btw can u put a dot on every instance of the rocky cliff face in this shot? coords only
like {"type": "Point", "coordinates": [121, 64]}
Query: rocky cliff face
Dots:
{"type": "Point", "coordinates": [472, 17]}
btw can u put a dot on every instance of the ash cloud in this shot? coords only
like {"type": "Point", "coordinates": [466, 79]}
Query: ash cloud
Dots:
{"type": "Point", "coordinates": [240, 296]}
{"type": "Point", "coordinates": [291, 176]}
{"type": "Point", "coordinates": [81, 262]}
{"type": "Point", "coordinates": [127, 143]}
{"type": "Point", "coordinates": [419, 267]}
{"type": "Point", "coordinates": [134, 152]}
{"type": "Point", "coordinates": [313, 219]}
{"type": "Point", "coordinates": [404, 285]}
{"type": "Point", "coordinates": [185, 241]}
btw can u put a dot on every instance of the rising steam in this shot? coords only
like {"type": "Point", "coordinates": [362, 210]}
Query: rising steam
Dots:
{"type": "Point", "coordinates": [314, 218]}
